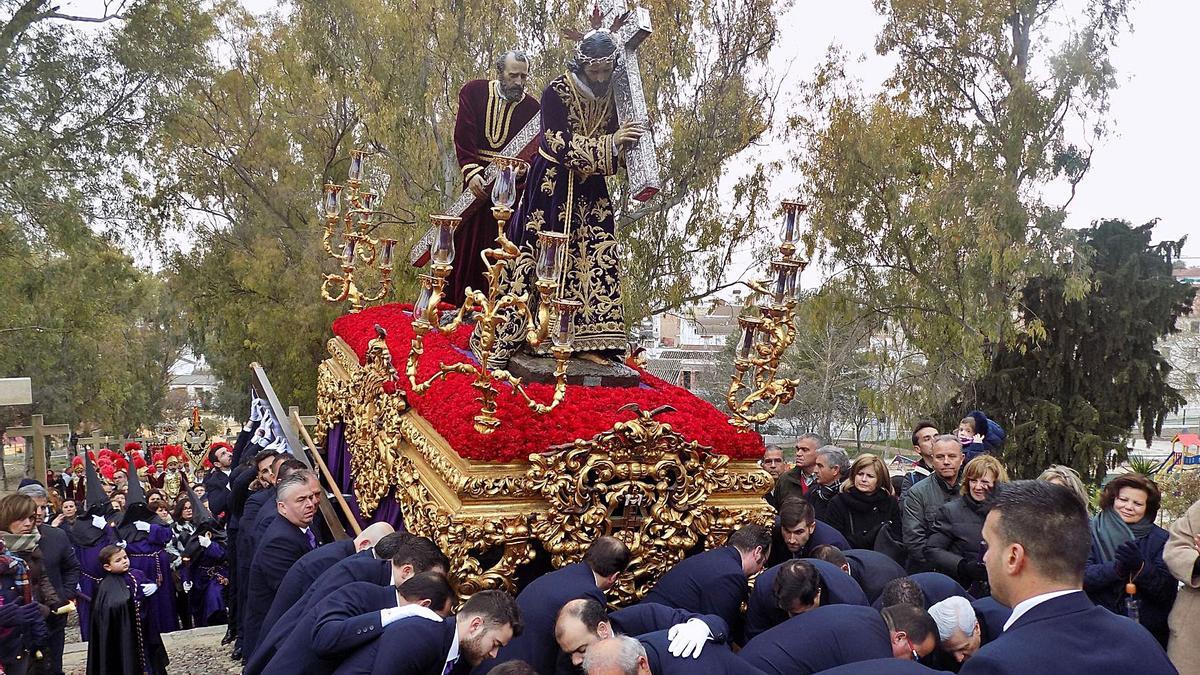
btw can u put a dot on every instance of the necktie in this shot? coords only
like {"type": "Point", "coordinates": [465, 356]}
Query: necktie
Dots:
{"type": "Point", "coordinates": [449, 666]}
{"type": "Point", "coordinates": [312, 538]}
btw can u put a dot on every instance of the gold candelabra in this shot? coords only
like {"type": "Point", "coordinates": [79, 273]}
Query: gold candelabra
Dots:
{"type": "Point", "coordinates": [767, 331]}
{"type": "Point", "coordinates": [495, 306]}
{"type": "Point", "coordinates": [354, 208]}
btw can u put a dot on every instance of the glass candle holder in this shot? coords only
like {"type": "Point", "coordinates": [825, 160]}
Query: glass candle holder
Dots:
{"type": "Point", "coordinates": [385, 252]}
{"type": "Point", "coordinates": [504, 190]}
{"type": "Point", "coordinates": [549, 263]}
{"type": "Point", "coordinates": [332, 192]}
{"type": "Point", "coordinates": [368, 198]}
{"type": "Point", "coordinates": [349, 249]}
{"type": "Point", "coordinates": [443, 245]}
{"type": "Point", "coordinates": [357, 161]}
{"type": "Point", "coordinates": [425, 297]}
{"type": "Point", "coordinates": [564, 334]}
{"type": "Point", "coordinates": [791, 216]}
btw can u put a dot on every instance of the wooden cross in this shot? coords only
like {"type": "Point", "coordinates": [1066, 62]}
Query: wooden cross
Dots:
{"type": "Point", "coordinates": [641, 160]}
{"type": "Point", "coordinates": [96, 442]}
{"type": "Point", "coordinates": [632, 513]}
{"type": "Point", "coordinates": [38, 430]}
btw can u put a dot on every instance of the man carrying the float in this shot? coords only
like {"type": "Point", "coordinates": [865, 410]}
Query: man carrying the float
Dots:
{"type": "Point", "coordinates": [490, 114]}
{"type": "Point", "coordinates": [566, 192]}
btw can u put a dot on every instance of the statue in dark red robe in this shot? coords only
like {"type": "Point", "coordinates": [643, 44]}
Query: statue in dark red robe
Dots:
{"type": "Point", "coordinates": [490, 113]}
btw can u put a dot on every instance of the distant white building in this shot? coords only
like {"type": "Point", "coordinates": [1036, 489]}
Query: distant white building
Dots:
{"type": "Point", "coordinates": [191, 375]}
{"type": "Point", "coordinates": [684, 346]}
{"type": "Point", "coordinates": [1182, 351]}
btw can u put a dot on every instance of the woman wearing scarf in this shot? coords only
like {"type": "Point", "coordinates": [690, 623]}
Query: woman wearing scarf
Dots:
{"type": "Point", "coordinates": [866, 504]}
{"type": "Point", "coordinates": [22, 627]}
{"type": "Point", "coordinates": [955, 547]}
{"type": "Point", "coordinates": [1127, 555]}
{"type": "Point", "coordinates": [18, 531]}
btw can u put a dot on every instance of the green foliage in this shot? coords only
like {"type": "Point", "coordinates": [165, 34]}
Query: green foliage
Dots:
{"type": "Point", "coordinates": [1071, 396]}
{"type": "Point", "coordinates": [928, 196]}
{"type": "Point", "coordinates": [95, 333]}
{"type": "Point", "coordinates": [1180, 489]}
{"type": "Point", "coordinates": [240, 163]}
{"type": "Point", "coordinates": [1142, 465]}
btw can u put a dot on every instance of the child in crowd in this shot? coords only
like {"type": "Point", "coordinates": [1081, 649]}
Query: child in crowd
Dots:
{"type": "Point", "coordinates": [979, 435]}
{"type": "Point", "coordinates": [120, 640]}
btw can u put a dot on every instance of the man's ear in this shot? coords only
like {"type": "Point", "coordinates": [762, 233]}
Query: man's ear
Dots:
{"type": "Point", "coordinates": [898, 636]}
{"type": "Point", "coordinates": [425, 603]}
{"type": "Point", "coordinates": [363, 545]}
{"type": "Point", "coordinates": [1015, 558]}
{"type": "Point", "coordinates": [604, 630]}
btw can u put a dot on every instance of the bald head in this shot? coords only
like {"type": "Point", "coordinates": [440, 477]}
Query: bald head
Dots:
{"type": "Point", "coordinates": [581, 623]}
{"type": "Point", "coordinates": [371, 536]}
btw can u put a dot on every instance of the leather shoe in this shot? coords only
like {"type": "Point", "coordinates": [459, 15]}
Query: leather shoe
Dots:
{"type": "Point", "coordinates": [237, 654]}
{"type": "Point", "coordinates": [230, 636]}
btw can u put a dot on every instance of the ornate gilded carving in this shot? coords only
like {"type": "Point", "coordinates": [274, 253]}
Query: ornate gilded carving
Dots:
{"type": "Point", "coordinates": [641, 482]}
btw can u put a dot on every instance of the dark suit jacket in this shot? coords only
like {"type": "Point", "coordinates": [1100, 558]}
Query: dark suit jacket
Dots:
{"type": "Point", "coordinates": [711, 582]}
{"type": "Point", "coordinates": [936, 587]}
{"type": "Point", "coordinates": [282, 545]}
{"type": "Point", "coordinates": [412, 646]}
{"type": "Point", "coordinates": [822, 534]}
{"type": "Point", "coordinates": [539, 603]}
{"type": "Point", "coordinates": [714, 659]}
{"type": "Point", "coordinates": [338, 624]}
{"type": "Point", "coordinates": [888, 666]}
{"type": "Point", "coordinates": [301, 576]}
{"type": "Point", "coordinates": [872, 570]}
{"type": "Point", "coordinates": [361, 566]}
{"type": "Point", "coordinates": [59, 561]}
{"type": "Point", "coordinates": [820, 639]}
{"type": "Point", "coordinates": [242, 443]}
{"type": "Point", "coordinates": [216, 487]}
{"type": "Point", "coordinates": [762, 612]}
{"type": "Point", "coordinates": [1069, 634]}
{"type": "Point", "coordinates": [650, 617]}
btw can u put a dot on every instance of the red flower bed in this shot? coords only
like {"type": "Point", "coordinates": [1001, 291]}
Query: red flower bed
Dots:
{"type": "Point", "coordinates": [450, 405]}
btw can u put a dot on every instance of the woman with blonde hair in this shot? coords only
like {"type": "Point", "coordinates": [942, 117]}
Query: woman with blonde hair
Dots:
{"type": "Point", "coordinates": [954, 546]}
{"type": "Point", "coordinates": [866, 504]}
{"type": "Point", "coordinates": [1068, 478]}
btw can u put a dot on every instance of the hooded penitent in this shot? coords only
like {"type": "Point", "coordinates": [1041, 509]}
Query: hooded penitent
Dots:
{"type": "Point", "coordinates": [84, 533]}
{"type": "Point", "coordinates": [136, 510]}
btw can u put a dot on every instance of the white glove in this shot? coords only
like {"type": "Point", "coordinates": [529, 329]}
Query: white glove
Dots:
{"type": "Point", "coordinates": [687, 639]}
{"type": "Point", "coordinates": [142, 525]}
{"type": "Point", "coordinates": [255, 411]}
{"type": "Point", "coordinates": [393, 614]}
{"type": "Point", "coordinates": [149, 589]}
{"type": "Point", "coordinates": [205, 541]}
{"type": "Point", "coordinates": [187, 587]}
{"type": "Point", "coordinates": [99, 522]}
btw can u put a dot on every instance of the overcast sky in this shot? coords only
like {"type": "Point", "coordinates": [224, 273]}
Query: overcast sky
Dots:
{"type": "Point", "coordinates": [1145, 169]}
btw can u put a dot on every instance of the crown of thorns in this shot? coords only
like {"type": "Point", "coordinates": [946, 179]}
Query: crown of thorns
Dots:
{"type": "Point", "coordinates": [597, 21]}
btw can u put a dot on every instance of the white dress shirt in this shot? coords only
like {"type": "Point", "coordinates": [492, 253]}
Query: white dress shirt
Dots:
{"type": "Point", "coordinates": [1026, 605]}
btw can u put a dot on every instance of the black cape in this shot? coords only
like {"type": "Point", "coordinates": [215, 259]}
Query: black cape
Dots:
{"type": "Point", "coordinates": [118, 643]}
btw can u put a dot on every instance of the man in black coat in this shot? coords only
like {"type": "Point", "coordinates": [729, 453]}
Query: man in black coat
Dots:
{"type": "Point", "coordinates": [872, 570]}
{"type": "Point", "coordinates": [354, 615]}
{"type": "Point", "coordinates": [584, 622]}
{"type": "Point", "coordinates": [542, 599]}
{"type": "Point", "coordinates": [819, 639]}
{"type": "Point", "coordinates": [409, 556]}
{"type": "Point", "coordinates": [763, 610]}
{"type": "Point", "coordinates": [715, 582]}
{"type": "Point", "coordinates": [62, 568]}
{"type": "Point", "coordinates": [418, 646]}
{"type": "Point", "coordinates": [923, 589]}
{"type": "Point", "coordinates": [285, 541]}
{"type": "Point", "coordinates": [1038, 540]}
{"type": "Point", "coordinates": [797, 533]}
{"type": "Point", "coordinates": [313, 564]}
{"type": "Point", "coordinates": [650, 654]}
{"type": "Point", "coordinates": [216, 483]}
{"type": "Point", "coordinates": [260, 467]}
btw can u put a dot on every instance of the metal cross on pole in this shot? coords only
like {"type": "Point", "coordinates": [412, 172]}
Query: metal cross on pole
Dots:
{"type": "Point", "coordinates": [37, 431]}
{"type": "Point", "coordinates": [641, 160]}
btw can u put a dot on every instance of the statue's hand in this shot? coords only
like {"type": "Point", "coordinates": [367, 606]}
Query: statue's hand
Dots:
{"type": "Point", "coordinates": [476, 186]}
{"type": "Point", "coordinates": [629, 133]}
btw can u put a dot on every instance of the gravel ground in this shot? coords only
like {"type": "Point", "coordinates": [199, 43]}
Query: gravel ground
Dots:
{"type": "Point", "coordinates": [192, 652]}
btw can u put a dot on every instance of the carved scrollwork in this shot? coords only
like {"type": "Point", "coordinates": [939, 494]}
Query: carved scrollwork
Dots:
{"type": "Point", "coordinates": [643, 483]}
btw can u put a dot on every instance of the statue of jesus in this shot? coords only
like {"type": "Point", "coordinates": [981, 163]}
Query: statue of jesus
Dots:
{"type": "Point", "coordinates": [565, 191]}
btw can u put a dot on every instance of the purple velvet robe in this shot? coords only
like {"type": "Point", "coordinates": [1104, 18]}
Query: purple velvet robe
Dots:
{"type": "Point", "coordinates": [206, 573]}
{"type": "Point", "coordinates": [565, 191]}
{"type": "Point", "coordinates": [150, 557]}
{"type": "Point", "coordinates": [90, 574]}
